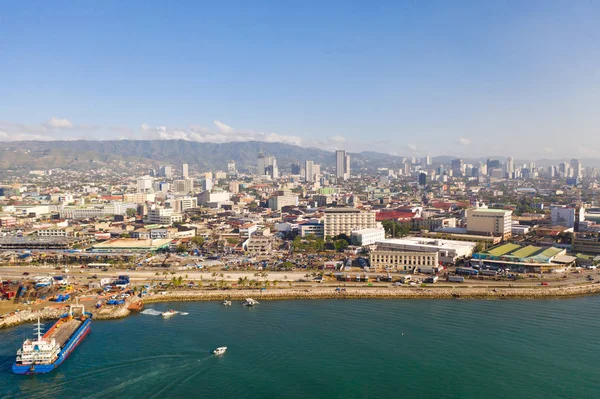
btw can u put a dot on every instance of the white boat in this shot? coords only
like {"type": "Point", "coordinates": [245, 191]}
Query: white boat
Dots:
{"type": "Point", "coordinates": [220, 350]}
{"type": "Point", "coordinates": [226, 302]}
{"type": "Point", "coordinates": [249, 302]}
{"type": "Point", "coordinates": [169, 313]}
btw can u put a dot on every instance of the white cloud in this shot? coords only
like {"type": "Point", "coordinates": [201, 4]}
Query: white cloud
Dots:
{"type": "Point", "coordinates": [223, 134]}
{"type": "Point", "coordinates": [337, 139]}
{"type": "Point", "coordinates": [58, 123]}
{"type": "Point", "coordinates": [412, 147]}
{"type": "Point", "coordinates": [223, 127]}
{"type": "Point", "coordinates": [464, 141]}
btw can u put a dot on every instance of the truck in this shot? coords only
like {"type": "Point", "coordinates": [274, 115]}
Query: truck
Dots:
{"type": "Point", "coordinates": [432, 279]}
{"type": "Point", "coordinates": [456, 279]}
{"type": "Point", "coordinates": [488, 272]}
{"type": "Point", "coordinates": [428, 269]}
{"type": "Point", "coordinates": [467, 271]}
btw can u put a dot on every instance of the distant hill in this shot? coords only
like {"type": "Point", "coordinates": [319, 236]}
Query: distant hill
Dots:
{"type": "Point", "coordinates": [125, 154]}
{"type": "Point", "coordinates": [89, 154]}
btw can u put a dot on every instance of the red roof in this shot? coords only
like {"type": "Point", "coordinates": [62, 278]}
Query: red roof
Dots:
{"type": "Point", "coordinates": [393, 215]}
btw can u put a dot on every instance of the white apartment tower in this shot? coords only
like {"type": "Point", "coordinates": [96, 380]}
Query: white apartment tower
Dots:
{"type": "Point", "coordinates": [576, 168]}
{"type": "Point", "coordinates": [309, 173]}
{"type": "Point", "coordinates": [345, 220]}
{"type": "Point", "coordinates": [185, 172]}
{"type": "Point", "coordinates": [342, 164]}
{"type": "Point", "coordinates": [510, 167]}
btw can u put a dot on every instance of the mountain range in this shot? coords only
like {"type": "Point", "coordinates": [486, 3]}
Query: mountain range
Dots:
{"type": "Point", "coordinates": [92, 154]}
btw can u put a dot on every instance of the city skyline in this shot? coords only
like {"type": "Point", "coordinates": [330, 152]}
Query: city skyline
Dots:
{"type": "Point", "coordinates": [405, 79]}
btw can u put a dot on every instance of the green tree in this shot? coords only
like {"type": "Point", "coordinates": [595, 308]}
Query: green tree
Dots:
{"type": "Point", "coordinates": [198, 241]}
{"type": "Point", "coordinates": [130, 212]}
{"type": "Point", "coordinates": [340, 245]}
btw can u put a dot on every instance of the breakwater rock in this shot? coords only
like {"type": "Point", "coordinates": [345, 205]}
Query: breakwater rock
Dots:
{"type": "Point", "coordinates": [429, 292]}
{"type": "Point", "coordinates": [54, 313]}
{"type": "Point", "coordinates": [27, 316]}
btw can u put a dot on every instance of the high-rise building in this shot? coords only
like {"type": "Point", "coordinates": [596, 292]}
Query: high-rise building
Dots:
{"type": "Point", "coordinates": [497, 222]}
{"type": "Point", "coordinates": [309, 173]}
{"type": "Point", "coordinates": [344, 220]}
{"type": "Point", "coordinates": [510, 167]}
{"type": "Point", "coordinates": [576, 168]}
{"type": "Point", "coordinates": [422, 179]}
{"type": "Point", "coordinates": [183, 186]}
{"type": "Point", "coordinates": [165, 171]}
{"type": "Point", "coordinates": [295, 169]}
{"type": "Point", "coordinates": [564, 169]}
{"type": "Point", "coordinates": [492, 164]}
{"type": "Point", "coordinates": [457, 167]}
{"type": "Point", "coordinates": [145, 184]}
{"type": "Point", "coordinates": [185, 173]}
{"type": "Point", "coordinates": [231, 167]}
{"type": "Point", "coordinates": [207, 185]}
{"type": "Point", "coordinates": [342, 164]}
{"type": "Point", "coordinates": [267, 165]}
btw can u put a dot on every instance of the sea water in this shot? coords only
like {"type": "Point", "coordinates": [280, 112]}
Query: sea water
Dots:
{"type": "Point", "coordinates": [330, 349]}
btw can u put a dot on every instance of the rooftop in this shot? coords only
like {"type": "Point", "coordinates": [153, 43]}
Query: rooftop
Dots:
{"type": "Point", "coordinates": [428, 242]}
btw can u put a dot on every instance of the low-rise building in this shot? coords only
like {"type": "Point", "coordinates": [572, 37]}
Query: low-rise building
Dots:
{"type": "Point", "coordinates": [314, 228]}
{"type": "Point", "coordinates": [588, 243]}
{"type": "Point", "coordinates": [259, 245]}
{"type": "Point", "coordinates": [387, 257]}
{"type": "Point", "coordinates": [449, 251]}
{"type": "Point", "coordinates": [163, 216]}
{"type": "Point", "coordinates": [364, 237]}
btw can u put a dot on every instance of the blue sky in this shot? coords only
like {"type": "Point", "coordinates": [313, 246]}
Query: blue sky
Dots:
{"type": "Point", "coordinates": [405, 77]}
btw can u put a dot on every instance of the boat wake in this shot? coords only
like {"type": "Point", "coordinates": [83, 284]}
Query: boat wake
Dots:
{"type": "Point", "coordinates": [151, 312]}
{"type": "Point", "coordinates": [184, 313]}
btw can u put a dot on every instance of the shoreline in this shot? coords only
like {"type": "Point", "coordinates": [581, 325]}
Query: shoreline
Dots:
{"type": "Point", "coordinates": [329, 293]}
{"type": "Point", "coordinates": [380, 293]}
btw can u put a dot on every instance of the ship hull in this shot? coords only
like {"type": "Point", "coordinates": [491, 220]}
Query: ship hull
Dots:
{"type": "Point", "coordinates": [69, 347]}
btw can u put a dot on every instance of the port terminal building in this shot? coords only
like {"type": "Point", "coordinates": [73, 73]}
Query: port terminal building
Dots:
{"type": "Point", "coordinates": [525, 259]}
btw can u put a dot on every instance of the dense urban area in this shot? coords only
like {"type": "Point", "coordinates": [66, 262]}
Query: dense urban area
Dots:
{"type": "Point", "coordinates": [114, 239]}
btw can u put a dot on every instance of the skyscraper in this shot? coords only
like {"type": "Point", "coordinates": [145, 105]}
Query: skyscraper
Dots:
{"type": "Point", "coordinates": [231, 167]}
{"type": "Point", "coordinates": [267, 165]}
{"type": "Point", "coordinates": [309, 173]}
{"type": "Point", "coordinates": [342, 164]}
{"type": "Point", "coordinates": [457, 167]}
{"type": "Point", "coordinates": [510, 167]}
{"type": "Point", "coordinates": [165, 171]}
{"type": "Point", "coordinates": [185, 171]}
{"type": "Point", "coordinates": [576, 168]}
{"type": "Point", "coordinates": [295, 169]}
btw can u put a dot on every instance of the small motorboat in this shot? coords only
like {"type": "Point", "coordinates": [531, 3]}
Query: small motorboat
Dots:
{"type": "Point", "coordinates": [169, 313]}
{"type": "Point", "coordinates": [220, 350]}
{"type": "Point", "coordinates": [249, 302]}
{"type": "Point", "coordinates": [226, 302]}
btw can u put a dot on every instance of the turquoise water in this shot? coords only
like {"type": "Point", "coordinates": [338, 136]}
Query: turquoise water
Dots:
{"type": "Point", "coordinates": [331, 349]}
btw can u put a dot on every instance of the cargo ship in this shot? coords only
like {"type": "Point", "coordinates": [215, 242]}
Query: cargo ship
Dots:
{"type": "Point", "coordinates": [46, 352]}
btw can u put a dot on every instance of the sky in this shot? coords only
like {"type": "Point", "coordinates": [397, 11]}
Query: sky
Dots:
{"type": "Point", "coordinates": [412, 78]}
